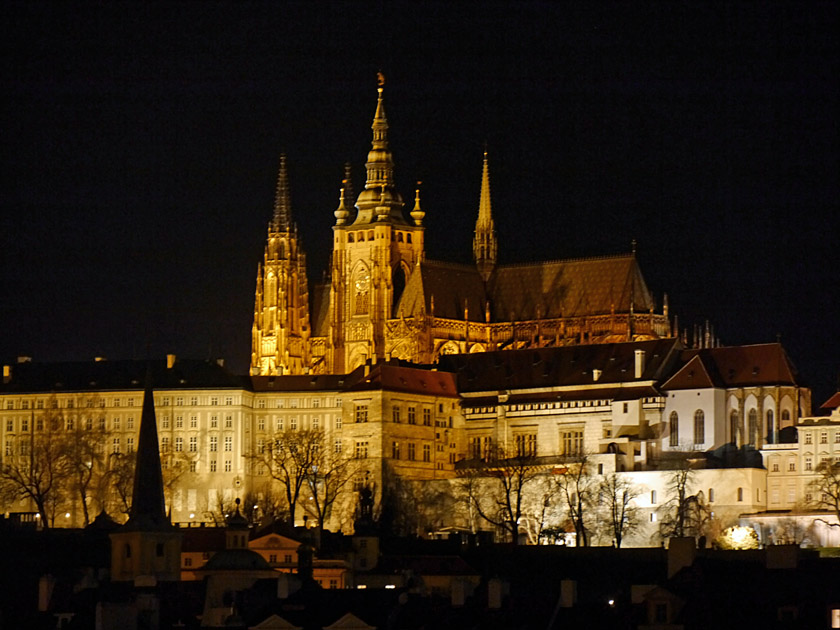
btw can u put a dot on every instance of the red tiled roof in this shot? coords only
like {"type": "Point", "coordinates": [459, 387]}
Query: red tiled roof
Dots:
{"type": "Point", "coordinates": [832, 403]}
{"type": "Point", "coordinates": [734, 366]}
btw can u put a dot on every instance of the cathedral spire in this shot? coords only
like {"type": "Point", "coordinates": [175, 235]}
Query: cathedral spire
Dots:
{"type": "Point", "coordinates": [148, 509]}
{"type": "Point", "coordinates": [282, 202]}
{"type": "Point", "coordinates": [380, 171]}
{"type": "Point", "coordinates": [484, 242]}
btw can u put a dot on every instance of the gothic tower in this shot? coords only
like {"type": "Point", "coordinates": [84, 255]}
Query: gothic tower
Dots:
{"type": "Point", "coordinates": [372, 257]}
{"type": "Point", "coordinates": [147, 546]}
{"type": "Point", "coordinates": [484, 242]}
{"type": "Point", "coordinates": [280, 334]}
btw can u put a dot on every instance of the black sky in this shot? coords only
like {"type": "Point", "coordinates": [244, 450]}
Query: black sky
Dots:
{"type": "Point", "coordinates": [140, 145]}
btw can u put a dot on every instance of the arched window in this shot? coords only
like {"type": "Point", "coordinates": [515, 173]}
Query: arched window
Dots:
{"type": "Point", "coordinates": [786, 416]}
{"type": "Point", "coordinates": [699, 427]}
{"type": "Point", "coordinates": [674, 426]}
{"type": "Point", "coordinates": [733, 426]}
{"type": "Point", "coordinates": [771, 429]}
{"type": "Point", "coordinates": [398, 281]}
{"type": "Point", "coordinates": [753, 427]}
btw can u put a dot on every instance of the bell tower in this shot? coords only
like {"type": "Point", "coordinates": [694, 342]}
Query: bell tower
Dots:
{"type": "Point", "coordinates": [372, 257]}
{"type": "Point", "coordinates": [280, 333]}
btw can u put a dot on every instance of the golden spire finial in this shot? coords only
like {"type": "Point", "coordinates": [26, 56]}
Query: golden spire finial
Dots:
{"type": "Point", "coordinates": [380, 80]}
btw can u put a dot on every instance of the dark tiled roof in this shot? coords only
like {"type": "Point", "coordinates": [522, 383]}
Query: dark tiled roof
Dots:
{"type": "Point", "coordinates": [80, 376]}
{"type": "Point", "coordinates": [297, 382]}
{"type": "Point", "coordinates": [734, 366]}
{"type": "Point", "coordinates": [543, 290]}
{"type": "Point", "coordinates": [568, 288]}
{"type": "Point", "coordinates": [450, 286]}
{"type": "Point", "coordinates": [563, 366]}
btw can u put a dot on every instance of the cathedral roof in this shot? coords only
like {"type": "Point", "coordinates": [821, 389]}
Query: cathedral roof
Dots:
{"type": "Point", "coordinates": [568, 288]}
{"type": "Point", "coordinates": [526, 292]}
{"type": "Point", "coordinates": [451, 287]}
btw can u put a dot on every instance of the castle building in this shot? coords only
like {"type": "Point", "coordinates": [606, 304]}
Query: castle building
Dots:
{"type": "Point", "coordinates": [385, 299]}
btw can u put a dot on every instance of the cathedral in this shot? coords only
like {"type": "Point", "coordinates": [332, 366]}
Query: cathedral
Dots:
{"type": "Point", "coordinates": [383, 299]}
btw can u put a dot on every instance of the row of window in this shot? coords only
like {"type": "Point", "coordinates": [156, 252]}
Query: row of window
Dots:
{"type": "Point", "coordinates": [280, 423]}
{"type": "Point", "coordinates": [808, 437]}
{"type": "Point", "coordinates": [294, 403]}
{"type": "Point", "coordinates": [164, 401]}
{"type": "Point", "coordinates": [411, 451]}
{"type": "Point", "coordinates": [166, 422]}
{"type": "Point", "coordinates": [699, 428]}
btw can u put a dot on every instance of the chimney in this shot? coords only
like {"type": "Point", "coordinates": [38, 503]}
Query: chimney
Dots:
{"type": "Point", "coordinates": [640, 363]}
{"type": "Point", "coordinates": [596, 374]}
{"type": "Point", "coordinates": [7, 373]}
{"type": "Point", "coordinates": [170, 361]}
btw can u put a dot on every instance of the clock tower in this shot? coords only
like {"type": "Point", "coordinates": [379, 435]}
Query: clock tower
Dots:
{"type": "Point", "coordinates": [375, 250]}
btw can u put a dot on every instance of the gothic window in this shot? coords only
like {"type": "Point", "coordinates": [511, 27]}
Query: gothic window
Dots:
{"type": "Point", "coordinates": [770, 428]}
{"type": "Point", "coordinates": [753, 426]}
{"type": "Point", "coordinates": [674, 426]}
{"type": "Point", "coordinates": [733, 426]}
{"type": "Point", "coordinates": [398, 280]}
{"type": "Point", "coordinates": [361, 287]}
{"type": "Point", "coordinates": [699, 427]}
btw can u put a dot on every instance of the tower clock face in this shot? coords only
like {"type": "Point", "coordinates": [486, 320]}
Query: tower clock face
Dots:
{"type": "Point", "coordinates": [362, 283]}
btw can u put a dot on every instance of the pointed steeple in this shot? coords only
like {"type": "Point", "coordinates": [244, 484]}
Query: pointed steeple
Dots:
{"type": "Point", "coordinates": [282, 204]}
{"type": "Point", "coordinates": [379, 186]}
{"type": "Point", "coordinates": [484, 243]}
{"type": "Point", "coordinates": [148, 509]}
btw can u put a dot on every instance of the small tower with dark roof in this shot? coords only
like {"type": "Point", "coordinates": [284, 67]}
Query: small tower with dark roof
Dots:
{"type": "Point", "coordinates": [147, 546]}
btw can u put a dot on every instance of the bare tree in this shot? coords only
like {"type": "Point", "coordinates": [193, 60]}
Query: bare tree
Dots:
{"type": "Point", "coordinates": [120, 479]}
{"type": "Point", "coordinates": [826, 488]}
{"type": "Point", "coordinates": [577, 488]}
{"type": "Point", "coordinates": [329, 475]}
{"type": "Point", "coordinates": [85, 461]}
{"type": "Point", "coordinates": [615, 495]}
{"type": "Point", "coordinates": [289, 457]}
{"type": "Point", "coordinates": [684, 513]}
{"type": "Point", "coordinates": [38, 470]}
{"type": "Point", "coordinates": [499, 492]}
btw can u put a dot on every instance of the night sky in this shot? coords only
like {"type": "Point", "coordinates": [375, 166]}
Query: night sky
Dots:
{"type": "Point", "coordinates": [140, 146]}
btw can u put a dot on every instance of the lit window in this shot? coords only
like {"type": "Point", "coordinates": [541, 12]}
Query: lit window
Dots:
{"type": "Point", "coordinates": [361, 450]}
{"type": "Point", "coordinates": [361, 413]}
{"type": "Point", "coordinates": [227, 466]}
{"type": "Point", "coordinates": [193, 422]}
{"type": "Point", "coordinates": [193, 444]}
{"type": "Point", "coordinates": [228, 443]}
{"type": "Point", "coordinates": [674, 426]}
{"type": "Point", "coordinates": [179, 444]}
